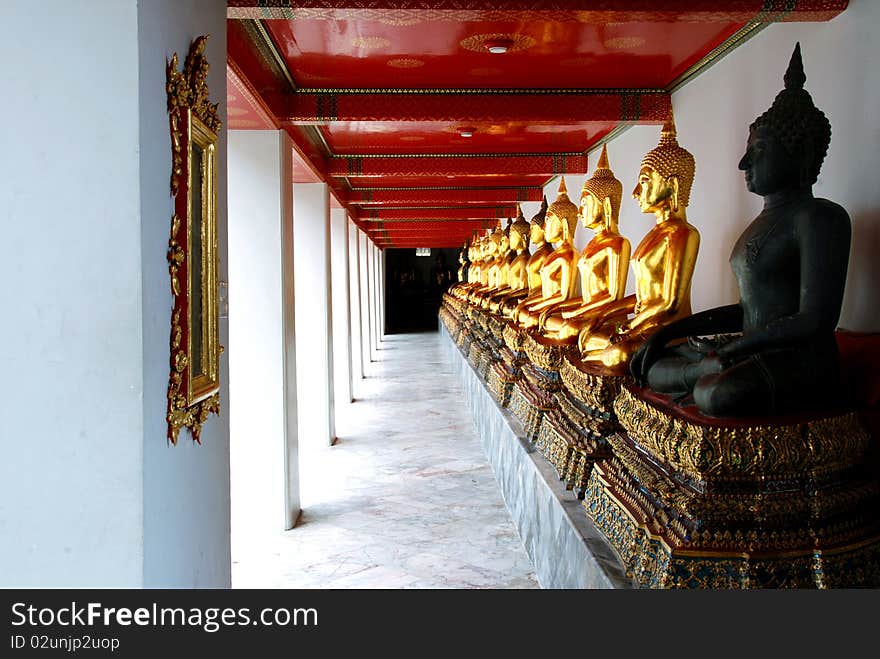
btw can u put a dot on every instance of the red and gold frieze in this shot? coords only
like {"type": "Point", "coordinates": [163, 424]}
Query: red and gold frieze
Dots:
{"type": "Point", "coordinates": [318, 106]}
{"type": "Point", "coordinates": [416, 214]}
{"type": "Point", "coordinates": [406, 197]}
{"type": "Point", "coordinates": [459, 165]}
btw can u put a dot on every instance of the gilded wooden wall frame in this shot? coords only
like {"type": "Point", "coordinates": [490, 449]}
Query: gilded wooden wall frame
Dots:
{"type": "Point", "coordinates": [194, 382]}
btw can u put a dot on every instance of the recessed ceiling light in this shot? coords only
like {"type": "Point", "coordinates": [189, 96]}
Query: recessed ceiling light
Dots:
{"type": "Point", "coordinates": [499, 46]}
{"type": "Point", "coordinates": [467, 131]}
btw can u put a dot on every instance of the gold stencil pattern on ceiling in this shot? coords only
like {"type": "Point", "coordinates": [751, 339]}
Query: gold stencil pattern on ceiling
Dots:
{"type": "Point", "coordinates": [370, 43]}
{"type": "Point", "coordinates": [405, 63]}
{"type": "Point", "coordinates": [624, 43]}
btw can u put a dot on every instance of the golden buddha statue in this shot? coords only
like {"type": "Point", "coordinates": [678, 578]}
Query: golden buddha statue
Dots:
{"type": "Point", "coordinates": [604, 262]}
{"type": "Point", "coordinates": [517, 260]}
{"type": "Point", "coordinates": [488, 272]}
{"type": "Point", "coordinates": [487, 249]}
{"type": "Point", "coordinates": [464, 262]}
{"type": "Point", "coordinates": [663, 261]}
{"type": "Point", "coordinates": [533, 265]}
{"type": "Point", "coordinates": [559, 272]}
{"type": "Point", "coordinates": [474, 257]}
{"type": "Point", "coordinates": [500, 268]}
{"type": "Point", "coordinates": [500, 265]}
{"type": "Point", "coordinates": [464, 275]}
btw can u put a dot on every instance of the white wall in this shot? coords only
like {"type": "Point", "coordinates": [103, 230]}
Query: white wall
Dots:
{"type": "Point", "coordinates": [260, 175]}
{"type": "Point", "coordinates": [91, 493]}
{"type": "Point", "coordinates": [186, 487]}
{"type": "Point", "coordinates": [713, 113]}
{"type": "Point", "coordinates": [71, 362]}
{"type": "Point", "coordinates": [311, 219]}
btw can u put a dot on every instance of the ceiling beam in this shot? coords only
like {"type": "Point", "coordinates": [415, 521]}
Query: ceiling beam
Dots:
{"type": "Point", "coordinates": [463, 229]}
{"type": "Point", "coordinates": [539, 164]}
{"type": "Point", "coordinates": [434, 214]}
{"type": "Point", "coordinates": [438, 227]}
{"type": "Point", "coordinates": [416, 197]}
{"type": "Point", "coordinates": [582, 11]}
{"type": "Point", "coordinates": [323, 106]}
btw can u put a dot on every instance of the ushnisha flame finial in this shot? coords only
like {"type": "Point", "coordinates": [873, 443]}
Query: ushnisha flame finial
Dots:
{"type": "Point", "coordinates": [795, 77]}
{"type": "Point", "coordinates": [564, 208]}
{"type": "Point", "coordinates": [803, 129]}
{"type": "Point", "coordinates": [668, 158]}
{"type": "Point", "coordinates": [603, 159]}
{"type": "Point", "coordinates": [520, 225]}
{"type": "Point", "coordinates": [668, 131]}
{"type": "Point", "coordinates": [603, 184]}
{"type": "Point", "coordinates": [541, 215]}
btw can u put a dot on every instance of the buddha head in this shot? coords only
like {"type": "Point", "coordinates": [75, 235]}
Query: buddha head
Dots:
{"type": "Point", "coordinates": [787, 144]}
{"type": "Point", "coordinates": [600, 197]}
{"type": "Point", "coordinates": [504, 244]}
{"type": "Point", "coordinates": [480, 248]}
{"type": "Point", "coordinates": [562, 216]}
{"type": "Point", "coordinates": [493, 242]}
{"type": "Point", "coordinates": [519, 231]}
{"type": "Point", "coordinates": [666, 174]}
{"type": "Point", "coordinates": [536, 226]}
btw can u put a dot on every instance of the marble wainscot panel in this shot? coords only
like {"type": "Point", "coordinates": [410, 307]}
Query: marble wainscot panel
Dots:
{"type": "Point", "coordinates": [566, 550]}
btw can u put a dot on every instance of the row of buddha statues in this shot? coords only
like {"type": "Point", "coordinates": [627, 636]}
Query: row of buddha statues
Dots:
{"type": "Point", "coordinates": [539, 290]}
{"type": "Point", "coordinates": [711, 431]}
{"type": "Point", "coordinates": [790, 265]}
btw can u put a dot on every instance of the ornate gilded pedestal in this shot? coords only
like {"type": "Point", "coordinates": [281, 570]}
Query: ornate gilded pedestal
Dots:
{"type": "Point", "coordinates": [505, 372]}
{"type": "Point", "coordinates": [452, 316]}
{"type": "Point", "coordinates": [577, 427]}
{"type": "Point", "coordinates": [483, 346]}
{"type": "Point", "coordinates": [533, 395]}
{"type": "Point", "coordinates": [472, 342]}
{"type": "Point", "coordinates": [690, 501]}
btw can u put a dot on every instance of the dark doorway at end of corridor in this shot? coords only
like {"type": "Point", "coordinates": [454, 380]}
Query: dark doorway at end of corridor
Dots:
{"type": "Point", "coordinates": [414, 286]}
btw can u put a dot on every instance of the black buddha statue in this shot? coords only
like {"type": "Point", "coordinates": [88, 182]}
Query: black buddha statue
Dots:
{"type": "Point", "coordinates": [774, 351]}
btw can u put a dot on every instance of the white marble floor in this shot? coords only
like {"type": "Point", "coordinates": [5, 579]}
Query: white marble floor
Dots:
{"type": "Point", "coordinates": [406, 499]}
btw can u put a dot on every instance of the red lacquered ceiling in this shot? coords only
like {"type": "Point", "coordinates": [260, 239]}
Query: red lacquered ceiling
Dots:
{"type": "Point", "coordinates": [377, 93]}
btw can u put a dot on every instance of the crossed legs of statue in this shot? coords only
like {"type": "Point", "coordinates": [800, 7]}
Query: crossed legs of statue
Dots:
{"type": "Point", "coordinates": [768, 382]}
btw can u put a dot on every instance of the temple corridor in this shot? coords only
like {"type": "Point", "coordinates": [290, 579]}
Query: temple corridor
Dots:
{"type": "Point", "coordinates": [405, 499]}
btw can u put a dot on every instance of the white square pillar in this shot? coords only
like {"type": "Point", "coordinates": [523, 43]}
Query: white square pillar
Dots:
{"type": "Point", "coordinates": [314, 316]}
{"type": "Point", "coordinates": [341, 302]}
{"type": "Point", "coordinates": [263, 420]}
{"type": "Point", "coordinates": [357, 354]}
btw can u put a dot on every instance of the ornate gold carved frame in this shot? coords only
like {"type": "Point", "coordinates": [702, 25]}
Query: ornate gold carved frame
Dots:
{"type": "Point", "coordinates": [194, 384]}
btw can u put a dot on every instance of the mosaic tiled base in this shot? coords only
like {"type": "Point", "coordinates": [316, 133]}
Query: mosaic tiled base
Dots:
{"type": "Point", "coordinates": [501, 382]}
{"type": "Point", "coordinates": [653, 563]}
{"type": "Point", "coordinates": [577, 435]}
{"type": "Point", "coordinates": [532, 398]}
{"type": "Point", "coordinates": [525, 412]}
{"type": "Point", "coordinates": [691, 501]}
